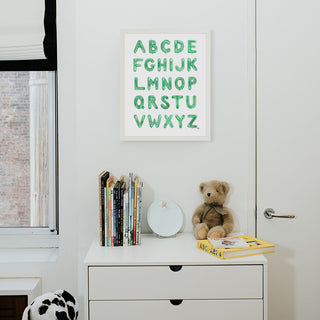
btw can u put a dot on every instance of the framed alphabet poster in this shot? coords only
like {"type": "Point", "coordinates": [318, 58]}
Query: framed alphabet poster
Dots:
{"type": "Point", "coordinates": [165, 85]}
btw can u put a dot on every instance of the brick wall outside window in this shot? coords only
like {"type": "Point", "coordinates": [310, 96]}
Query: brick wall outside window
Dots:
{"type": "Point", "coordinates": [14, 149]}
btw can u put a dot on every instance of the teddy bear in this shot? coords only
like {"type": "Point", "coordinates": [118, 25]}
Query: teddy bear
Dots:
{"type": "Point", "coordinates": [211, 219]}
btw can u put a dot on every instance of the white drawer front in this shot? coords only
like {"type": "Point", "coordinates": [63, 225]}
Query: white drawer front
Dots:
{"type": "Point", "coordinates": [187, 310]}
{"type": "Point", "coordinates": [191, 282]}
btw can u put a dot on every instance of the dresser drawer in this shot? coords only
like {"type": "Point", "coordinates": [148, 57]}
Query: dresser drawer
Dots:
{"type": "Point", "coordinates": [187, 310]}
{"type": "Point", "coordinates": [191, 282]}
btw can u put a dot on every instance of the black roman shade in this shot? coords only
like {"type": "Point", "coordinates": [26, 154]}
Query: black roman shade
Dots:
{"type": "Point", "coordinates": [34, 57]}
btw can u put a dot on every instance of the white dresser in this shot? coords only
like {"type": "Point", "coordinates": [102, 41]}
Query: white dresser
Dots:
{"type": "Point", "coordinates": [171, 279]}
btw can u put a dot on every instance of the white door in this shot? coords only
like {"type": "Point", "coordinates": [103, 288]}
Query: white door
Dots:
{"type": "Point", "coordinates": [288, 100]}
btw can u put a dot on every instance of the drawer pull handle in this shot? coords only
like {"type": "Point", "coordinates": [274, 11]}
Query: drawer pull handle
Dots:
{"type": "Point", "coordinates": [176, 302]}
{"type": "Point", "coordinates": [175, 268]}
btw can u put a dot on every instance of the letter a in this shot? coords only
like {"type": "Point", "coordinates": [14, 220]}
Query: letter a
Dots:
{"type": "Point", "coordinates": [139, 45]}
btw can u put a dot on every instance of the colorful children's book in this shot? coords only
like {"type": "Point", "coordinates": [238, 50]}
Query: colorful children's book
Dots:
{"type": "Point", "coordinates": [135, 183]}
{"type": "Point", "coordinates": [125, 219]}
{"type": "Point", "coordinates": [116, 206]}
{"type": "Point", "coordinates": [234, 242]}
{"type": "Point", "coordinates": [110, 182]}
{"type": "Point", "coordinates": [131, 208]}
{"type": "Point", "coordinates": [120, 213]}
{"type": "Point", "coordinates": [103, 177]}
{"type": "Point", "coordinates": [139, 213]}
{"type": "Point", "coordinates": [256, 246]}
{"type": "Point", "coordinates": [111, 204]}
{"type": "Point", "coordinates": [105, 216]}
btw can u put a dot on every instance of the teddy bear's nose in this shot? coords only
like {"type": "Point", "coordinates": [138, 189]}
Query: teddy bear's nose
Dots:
{"type": "Point", "coordinates": [208, 194]}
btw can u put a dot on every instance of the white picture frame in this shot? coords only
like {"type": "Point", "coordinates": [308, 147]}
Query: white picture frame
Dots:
{"type": "Point", "coordinates": [165, 85]}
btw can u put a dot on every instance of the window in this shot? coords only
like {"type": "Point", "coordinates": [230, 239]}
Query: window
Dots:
{"type": "Point", "coordinates": [28, 157]}
{"type": "Point", "coordinates": [28, 124]}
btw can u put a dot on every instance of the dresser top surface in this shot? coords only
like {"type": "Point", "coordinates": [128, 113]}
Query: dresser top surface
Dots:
{"type": "Point", "coordinates": [179, 250]}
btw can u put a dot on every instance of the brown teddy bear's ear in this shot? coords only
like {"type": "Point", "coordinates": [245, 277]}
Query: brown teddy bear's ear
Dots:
{"type": "Point", "coordinates": [225, 187]}
{"type": "Point", "coordinates": [201, 187]}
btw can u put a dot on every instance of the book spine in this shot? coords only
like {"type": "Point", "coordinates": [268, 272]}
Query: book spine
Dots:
{"type": "Point", "coordinates": [129, 209]}
{"type": "Point", "coordinates": [110, 218]}
{"type": "Point", "coordinates": [100, 207]}
{"type": "Point", "coordinates": [140, 213]}
{"type": "Point", "coordinates": [106, 217]}
{"type": "Point", "coordinates": [115, 215]}
{"type": "Point", "coordinates": [131, 213]}
{"type": "Point", "coordinates": [121, 217]}
{"type": "Point", "coordinates": [125, 219]}
{"type": "Point", "coordinates": [103, 177]}
{"type": "Point", "coordinates": [135, 214]}
{"type": "Point", "coordinates": [112, 213]}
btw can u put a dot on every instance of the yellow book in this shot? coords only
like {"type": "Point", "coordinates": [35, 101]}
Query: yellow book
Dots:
{"type": "Point", "coordinates": [256, 246]}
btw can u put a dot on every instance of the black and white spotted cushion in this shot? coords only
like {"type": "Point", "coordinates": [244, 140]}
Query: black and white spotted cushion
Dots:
{"type": "Point", "coordinates": [58, 305]}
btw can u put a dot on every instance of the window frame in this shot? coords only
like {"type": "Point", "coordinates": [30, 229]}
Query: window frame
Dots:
{"type": "Point", "coordinates": [42, 237]}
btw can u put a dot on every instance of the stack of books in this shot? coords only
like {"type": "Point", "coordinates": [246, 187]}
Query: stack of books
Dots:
{"type": "Point", "coordinates": [120, 206]}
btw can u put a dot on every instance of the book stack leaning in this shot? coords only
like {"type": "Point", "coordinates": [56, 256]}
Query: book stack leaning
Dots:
{"type": "Point", "coordinates": [120, 209]}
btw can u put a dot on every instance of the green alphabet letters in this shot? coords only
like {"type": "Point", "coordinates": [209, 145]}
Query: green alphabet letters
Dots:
{"type": "Point", "coordinates": [165, 82]}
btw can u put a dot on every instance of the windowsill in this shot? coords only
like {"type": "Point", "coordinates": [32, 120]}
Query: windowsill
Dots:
{"type": "Point", "coordinates": [29, 255]}
{"type": "Point", "coordinates": [27, 240]}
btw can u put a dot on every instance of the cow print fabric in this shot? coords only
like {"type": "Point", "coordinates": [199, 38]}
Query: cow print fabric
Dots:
{"type": "Point", "coordinates": [58, 305]}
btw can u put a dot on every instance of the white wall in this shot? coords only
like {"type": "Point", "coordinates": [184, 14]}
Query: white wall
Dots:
{"type": "Point", "coordinates": [171, 170]}
{"type": "Point", "coordinates": [89, 118]}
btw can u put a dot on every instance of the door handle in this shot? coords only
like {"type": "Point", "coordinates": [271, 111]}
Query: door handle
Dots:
{"type": "Point", "coordinates": [175, 268]}
{"type": "Point", "coordinates": [270, 213]}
